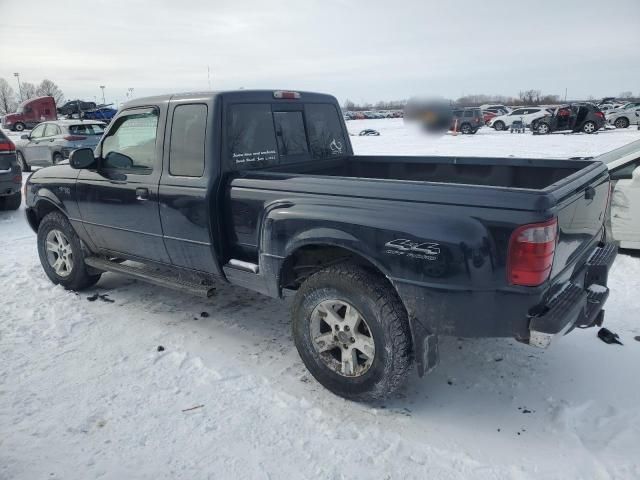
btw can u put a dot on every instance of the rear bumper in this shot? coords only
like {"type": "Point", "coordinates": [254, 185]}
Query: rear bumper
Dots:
{"type": "Point", "coordinates": [579, 304]}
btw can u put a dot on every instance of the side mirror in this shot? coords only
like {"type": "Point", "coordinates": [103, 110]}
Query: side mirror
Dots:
{"type": "Point", "coordinates": [82, 158]}
{"type": "Point", "coordinates": [26, 136]}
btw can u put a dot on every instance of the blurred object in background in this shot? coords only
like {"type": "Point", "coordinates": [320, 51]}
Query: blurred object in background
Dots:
{"type": "Point", "coordinates": [433, 115]}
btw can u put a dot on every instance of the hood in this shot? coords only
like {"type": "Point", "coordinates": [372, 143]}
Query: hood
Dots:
{"type": "Point", "coordinates": [11, 116]}
{"type": "Point", "coordinates": [61, 170]}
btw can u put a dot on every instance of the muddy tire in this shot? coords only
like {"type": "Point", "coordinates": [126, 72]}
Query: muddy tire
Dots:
{"type": "Point", "coordinates": [24, 166]}
{"type": "Point", "coordinates": [61, 253]}
{"type": "Point", "coordinates": [12, 202]}
{"type": "Point", "coordinates": [352, 333]}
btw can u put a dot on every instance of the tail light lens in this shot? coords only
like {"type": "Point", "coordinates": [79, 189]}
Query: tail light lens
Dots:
{"type": "Point", "coordinates": [531, 251]}
{"type": "Point", "coordinates": [74, 138]}
{"type": "Point", "coordinates": [7, 146]}
{"type": "Point", "coordinates": [600, 114]}
{"type": "Point", "coordinates": [17, 178]}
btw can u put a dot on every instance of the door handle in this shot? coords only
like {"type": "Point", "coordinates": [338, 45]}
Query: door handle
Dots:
{"type": "Point", "coordinates": [142, 193]}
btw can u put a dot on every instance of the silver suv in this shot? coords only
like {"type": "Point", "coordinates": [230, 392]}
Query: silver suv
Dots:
{"type": "Point", "coordinates": [52, 142]}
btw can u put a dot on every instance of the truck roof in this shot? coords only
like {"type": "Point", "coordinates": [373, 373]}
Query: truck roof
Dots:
{"type": "Point", "coordinates": [237, 95]}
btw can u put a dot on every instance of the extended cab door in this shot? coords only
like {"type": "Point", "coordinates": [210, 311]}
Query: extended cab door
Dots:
{"type": "Point", "coordinates": [118, 201]}
{"type": "Point", "coordinates": [188, 187]}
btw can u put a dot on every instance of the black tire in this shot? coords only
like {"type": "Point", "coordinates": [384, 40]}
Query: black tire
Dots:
{"type": "Point", "coordinates": [12, 202]}
{"type": "Point", "coordinates": [621, 122]}
{"type": "Point", "coordinates": [385, 318]}
{"type": "Point", "coordinates": [542, 128]}
{"type": "Point", "coordinates": [474, 131]}
{"type": "Point", "coordinates": [57, 158]}
{"type": "Point", "coordinates": [79, 278]}
{"type": "Point", "coordinates": [589, 127]}
{"type": "Point", "coordinates": [24, 166]}
{"type": "Point", "coordinates": [465, 129]}
{"type": "Point", "coordinates": [19, 127]}
{"type": "Point", "coordinates": [499, 125]}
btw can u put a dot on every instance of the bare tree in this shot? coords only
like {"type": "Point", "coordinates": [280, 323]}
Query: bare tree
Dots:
{"type": "Point", "coordinates": [7, 97]}
{"type": "Point", "coordinates": [530, 97]}
{"type": "Point", "coordinates": [626, 94]}
{"type": "Point", "coordinates": [49, 88]}
{"type": "Point", "coordinates": [29, 90]}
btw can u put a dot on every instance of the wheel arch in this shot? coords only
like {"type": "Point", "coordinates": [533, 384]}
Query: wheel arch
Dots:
{"type": "Point", "coordinates": [42, 207]}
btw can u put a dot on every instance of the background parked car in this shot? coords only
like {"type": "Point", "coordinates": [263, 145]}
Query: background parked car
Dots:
{"type": "Point", "coordinates": [30, 113]}
{"type": "Point", "coordinates": [576, 117]}
{"type": "Point", "coordinates": [623, 117]}
{"type": "Point", "coordinates": [104, 114]}
{"type": "Point", "coordinates": [75, 107]}
{"type": "Point", "coordinates": [487, 115]}
{"type": "Point", "coordinates": [526, 115]}
{"type": "Point", "coordinates": [52, 142]}
{"type": "Point", "coordinates": [497, 109]}
{"type": "Point", "coordinates": [10, 175]}
{"type": "Point", "coordinates": [624, 169]}
{"type": "Point", "coordinates": [467, 120]}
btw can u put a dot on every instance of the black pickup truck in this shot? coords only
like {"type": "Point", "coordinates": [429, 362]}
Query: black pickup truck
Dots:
{"type": "Point", "coordinates": [383, 254]}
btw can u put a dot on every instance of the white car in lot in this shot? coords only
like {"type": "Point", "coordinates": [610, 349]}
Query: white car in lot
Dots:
{"type": "Point", "coordinates": [526, 115]}
{"type": "Point", "coordinates": [624, 169]}
{"type": "Point", "coordinates": [624, 116]}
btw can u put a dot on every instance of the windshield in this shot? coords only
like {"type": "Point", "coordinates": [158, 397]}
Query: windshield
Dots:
{"type": "Point", "coordinates": [618, 153]}
{"type": "Point", "coordinates": [87, 129]}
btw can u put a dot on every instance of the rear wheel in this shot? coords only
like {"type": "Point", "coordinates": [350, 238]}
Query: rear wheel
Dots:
{"type": "Point", "coordinates": [24, 166]}
{"type": "Point", "coordinates": [589, 127]}
{"type": "Point", "coordinates": [352, 332]}
{"type": "Point", "coordinates": [61, 253]}
{"type": "Point", "coordinates": [12, 202]}
{"type": "Point", "coordinates": [499, 125]}
{"type": "Point", "coordinates": [621, 122]}
{"type": "Point", "coordinates": [19, 127]}
{"type": "Point", "coordinates": [465, 129]}
{"type": "Point", "coordinates": [542, 128]}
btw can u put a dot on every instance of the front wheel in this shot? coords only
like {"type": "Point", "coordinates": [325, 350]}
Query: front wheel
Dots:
{"type": "Point", "coordinates": [589, 127]}
{"type": "Point", "coordinates": [57, 158]}
{"type": "Point", "coordinates": [621, 122]}
{"type": "Point", "coordinates": [352, 332]}
{"type": "Point", "coordinates": [499, 125]}
{"type": "Point", "coordinates": [61, 253]}
{"type": "Point", "coordinates": [19, 127]}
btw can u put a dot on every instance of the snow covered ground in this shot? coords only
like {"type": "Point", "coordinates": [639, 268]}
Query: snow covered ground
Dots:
{"type": "Point", "coordinates": [85, 393]}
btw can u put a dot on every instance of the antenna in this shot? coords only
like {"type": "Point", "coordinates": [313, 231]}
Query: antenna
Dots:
{"type": "Point", "coordinates": [209, 76]}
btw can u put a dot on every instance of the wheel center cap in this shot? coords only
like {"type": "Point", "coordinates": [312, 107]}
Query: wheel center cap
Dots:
{"type": "Point", "coordinates": [344, 337]}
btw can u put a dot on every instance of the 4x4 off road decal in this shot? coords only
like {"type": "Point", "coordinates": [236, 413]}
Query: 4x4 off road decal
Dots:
{"type": "Point", "coordinates": [410, 248]}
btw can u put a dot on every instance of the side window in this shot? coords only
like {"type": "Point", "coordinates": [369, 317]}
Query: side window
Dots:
{"type": "Point", "coordinates": [38, 132]}
{"type": "Point", "coordinates": [534, 110]}
{"type": "Point", "coordinates": [468, 113]}
{"type": "Point", "coordinates": [518, 112]}
{"type": "Point", "coordinates": [186, 151]}
{"type": "Point", "coordinates": [326, 136]}
{"type": "Point", "coordinates": [290, 133]}
{"type": "Point", "coordinates": [51, 130]}
{"type": "Point", "coordinates": [131, 144]}
{"type": "Point", "coordinates": [251, 138]}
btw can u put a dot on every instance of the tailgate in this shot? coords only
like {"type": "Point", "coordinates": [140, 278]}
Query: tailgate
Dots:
{"type": "Point", "coordinates": [581, 214]}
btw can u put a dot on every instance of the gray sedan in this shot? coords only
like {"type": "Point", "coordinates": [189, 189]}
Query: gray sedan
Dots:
{"type": "Point", "coordinates": [52, 142]}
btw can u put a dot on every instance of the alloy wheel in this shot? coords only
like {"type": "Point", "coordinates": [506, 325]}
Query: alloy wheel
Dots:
{"type": "Point", "coordinates": [342, 338]}
{"type": "Point", "coordinates": [59, 253]}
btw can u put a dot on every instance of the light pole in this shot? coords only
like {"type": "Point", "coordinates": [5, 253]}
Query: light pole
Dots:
{"type": "Point", "coordinates": [103, 87]}
{"type": "Point", "coordinates": [17, 75]}
{"type": "Point", "coordinates": [129, 93]}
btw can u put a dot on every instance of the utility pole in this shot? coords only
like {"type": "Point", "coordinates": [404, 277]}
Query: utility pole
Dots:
{"type": "Point", "coordinates": [17, 75]}
{"type": "Point", "coordinates": [209, 76]}
{"type": "Point", "coordinates": [103, 87]}
{"type": "Point", "coordinates": [565, 94]}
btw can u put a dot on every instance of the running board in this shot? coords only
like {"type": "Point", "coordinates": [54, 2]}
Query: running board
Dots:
{"type": "Point", "coordinates": [169, 279]}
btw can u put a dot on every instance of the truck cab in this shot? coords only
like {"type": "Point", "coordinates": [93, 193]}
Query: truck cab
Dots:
{"type": "Point", "coordinates": [30, 113]}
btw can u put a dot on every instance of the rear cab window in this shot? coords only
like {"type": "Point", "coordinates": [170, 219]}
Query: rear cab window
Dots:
{"type": "Point", "coordinates": [265, 134]}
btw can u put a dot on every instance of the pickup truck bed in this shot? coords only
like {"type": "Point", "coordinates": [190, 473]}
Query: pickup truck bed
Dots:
{"type": "Point", "coordinates": [382, 254]}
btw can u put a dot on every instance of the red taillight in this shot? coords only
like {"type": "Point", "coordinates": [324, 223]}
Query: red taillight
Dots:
{"type": "Point", "coordinates": [531, 250]}
{"type": "Point", "coordinates": [7, 146]}
{"type": "Point", "coordinates": [17, 178]}
{"type": "Point", "coordinates": [74, 138]}
{"type": "Point", "coordinates": [600, 114]}
{"type": "Point", "coordinates": [286, 95]}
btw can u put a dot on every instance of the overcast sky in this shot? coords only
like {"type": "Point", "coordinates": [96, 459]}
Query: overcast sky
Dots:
{"type": "Point", "coordinates": [362, 50]}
